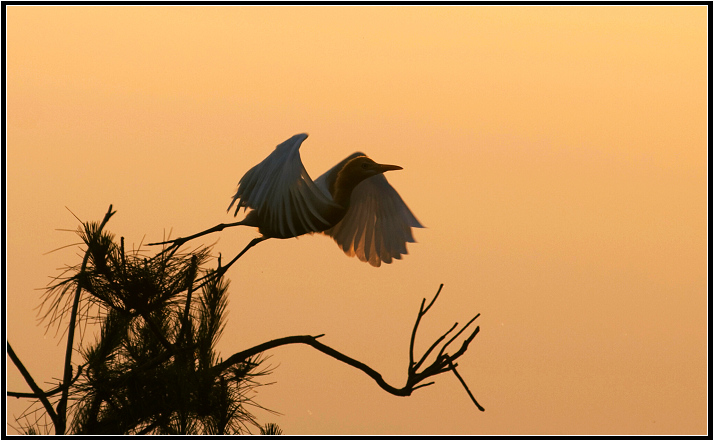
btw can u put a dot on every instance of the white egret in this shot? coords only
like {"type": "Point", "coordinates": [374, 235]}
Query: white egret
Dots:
{"type": "Point", "coordinates": [352, 202]}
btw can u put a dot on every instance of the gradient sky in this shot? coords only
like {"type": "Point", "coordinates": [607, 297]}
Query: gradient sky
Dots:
{"type": "Point", "coordinates": [557, 156]}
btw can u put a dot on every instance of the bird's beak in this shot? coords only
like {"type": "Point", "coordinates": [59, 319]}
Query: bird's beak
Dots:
{"type": "Point", "coordinates": [386, 167]}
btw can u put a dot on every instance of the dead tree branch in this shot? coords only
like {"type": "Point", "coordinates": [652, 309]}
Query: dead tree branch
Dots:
{"type": "Point", "coordinates": [415, 378]}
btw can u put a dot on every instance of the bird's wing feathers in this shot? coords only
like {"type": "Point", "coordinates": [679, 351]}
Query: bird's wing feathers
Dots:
{"type": "Point", "coordinates": [283, 194]}
{"type": "Point", "coordinates": [377, 225]}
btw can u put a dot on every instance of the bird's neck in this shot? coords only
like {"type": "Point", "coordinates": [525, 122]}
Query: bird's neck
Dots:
{"type": "Point", "coordinates": [342, 188]}
{"type": "Point", "coordinates": [342, 192]}
{"type": "Point", "coordinates": [339, 184]}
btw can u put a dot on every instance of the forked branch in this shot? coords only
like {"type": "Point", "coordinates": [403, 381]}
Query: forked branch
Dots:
{"type": "Point", "coordinates": [415, 378]}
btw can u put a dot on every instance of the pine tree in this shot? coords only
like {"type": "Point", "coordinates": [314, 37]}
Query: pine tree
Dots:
{"type": "Point", "coordinates": [152, 368]}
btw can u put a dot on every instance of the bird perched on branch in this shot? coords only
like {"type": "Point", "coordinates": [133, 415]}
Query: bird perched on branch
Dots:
{"type": "Point", "coordinates": [352, 202]}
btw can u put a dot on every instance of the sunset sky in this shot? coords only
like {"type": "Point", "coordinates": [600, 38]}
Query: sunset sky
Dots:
{"type": "Point", "coordinates": [556, 155]}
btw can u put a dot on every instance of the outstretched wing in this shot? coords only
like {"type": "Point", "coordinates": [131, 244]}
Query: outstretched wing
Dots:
{"type": "Point", "coordinates": [377, 225]}
{"type": "Point", "coordinates": [285, 201]}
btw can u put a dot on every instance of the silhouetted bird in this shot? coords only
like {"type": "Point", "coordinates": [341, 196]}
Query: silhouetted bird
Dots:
{"type": "Point", "coordinates": [352, 202]}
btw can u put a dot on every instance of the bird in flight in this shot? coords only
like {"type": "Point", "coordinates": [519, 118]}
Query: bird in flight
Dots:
{"type": "Point", "coordinates": [352, 202]}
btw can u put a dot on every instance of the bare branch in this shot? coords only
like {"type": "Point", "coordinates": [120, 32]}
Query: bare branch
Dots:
{"type": "Point", "coordinates": [465, 344]}
{"type": "Point", "coordinates": [431, 348]}
{"type": "Point", "coordinates": [463, 383]}
{"type": "Point", "coordinates": [423, 385]}
{"type": "Point", "coordinates": [457, 334]}
{"type": "Point", "coordinates": [443, 362]}
{"type": "Point", "coordinates": [414, 329]}
{"type": "Point", "coordinates": [434, 299]}
{"type": "Point", "coordinates": [422, 312]}
{"type": "Point", "coordinates": [31, 382]}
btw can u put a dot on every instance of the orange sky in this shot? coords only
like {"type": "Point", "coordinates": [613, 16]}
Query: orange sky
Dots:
{"type": "Point", "coordinates": [557, 156]}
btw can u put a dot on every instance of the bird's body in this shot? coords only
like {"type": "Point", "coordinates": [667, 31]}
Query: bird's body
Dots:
{"type": "Point", "coordinates": [352, 202]}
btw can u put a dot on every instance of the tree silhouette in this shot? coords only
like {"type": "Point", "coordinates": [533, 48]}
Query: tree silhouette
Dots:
{"type": "Point", "coordinates": [152, 368]}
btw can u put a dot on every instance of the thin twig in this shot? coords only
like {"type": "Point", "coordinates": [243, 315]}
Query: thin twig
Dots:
{"type": "Point", "coordinates": [465, 344]}
{"type": "Point", "coordinates": [423, 385]}
{"type": "Point", "coordinates": [457, 334]}
{"type": "Point", "coordinates": [431, 348]}
{"type": "Point", "coordinates": [421, 314]}
{"type": "Point", "coordinates": [48, 393]}
{"type": "Point", "coordinates": [463, 383]}
{"type": "Point", "coordinates": [414, 329]}
{"type": "Point", "coordinates": [434, 299]}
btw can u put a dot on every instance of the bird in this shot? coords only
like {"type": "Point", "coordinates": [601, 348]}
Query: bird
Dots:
{"type": "Point", "coordinates": [352, 202]}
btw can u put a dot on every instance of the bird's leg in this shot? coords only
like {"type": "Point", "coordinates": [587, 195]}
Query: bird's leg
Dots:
{"type": "Point", "coordinates": [252, 243]}
{"type": "Point", "coordinates": [222, 269]}
{"type": "Point", "coordinates": [175, 243]}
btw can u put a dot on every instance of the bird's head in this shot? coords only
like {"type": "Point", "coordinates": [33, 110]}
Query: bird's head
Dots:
{"type": "Point", "coordinates": [353, 172]}
{"type": "Point", "coordinates": [362, 167]}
